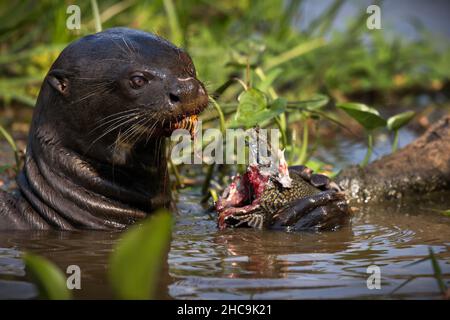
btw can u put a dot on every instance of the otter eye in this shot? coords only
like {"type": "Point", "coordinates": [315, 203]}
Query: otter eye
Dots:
{"type": "Point", "coordinates": [137, 81]}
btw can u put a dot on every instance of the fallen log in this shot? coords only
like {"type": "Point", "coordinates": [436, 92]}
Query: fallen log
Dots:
{"type": "Point", "coordinates": [422, 167]}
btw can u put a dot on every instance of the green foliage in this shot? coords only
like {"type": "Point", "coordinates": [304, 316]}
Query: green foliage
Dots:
{"type": "Point", "coordinates": [398, 121]}
{"type": "Point", "coordinates": [134, 267]}
{"type": "Point", "coordinates": [254, 109]}
{"type": "Point", "coordinates": [49, 279]}
{"type": "Point", "coordinates": [5, 134]}
{"type": "Point", "coordinates": [224, 36]}
{"type": "Point", "coordinates": [138, 258]}
{"type": "Point", "coordinates": [300, 73]}
{"type": "Point", "coordinates": [368, 117]}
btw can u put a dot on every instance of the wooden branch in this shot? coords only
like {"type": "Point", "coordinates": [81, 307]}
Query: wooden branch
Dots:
{"type": "Point", "coordinates": [420, 168]}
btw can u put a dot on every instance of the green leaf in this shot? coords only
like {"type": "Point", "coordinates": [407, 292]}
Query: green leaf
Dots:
{"type": "Point", "coordinates": [399, 120]}
{"type": "Point", "coordinates": [139, 256]}
{"type": "Point", "coordinates": [446, 213]}
{"type": "Point", "coordinates": [49, 279]}
{"type": "Point", "coordinates": [368, 117]}
{"type": "Point", "coordinates": [253, 109]}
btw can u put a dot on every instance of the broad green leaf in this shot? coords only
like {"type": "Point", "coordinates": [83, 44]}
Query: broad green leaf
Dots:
{"type": "Point", "coordinates": [399, 120]}
{"type": "Point", "coordinates": [368, 117]}
{"type": "Point", "coordinates": [253, 109]}
{"type": "Point", "coordinates": [49, 279]}
{"type": "Point", "coordinates": [139, 256]}
{"type": "Point", "coordinates": [446, 213]}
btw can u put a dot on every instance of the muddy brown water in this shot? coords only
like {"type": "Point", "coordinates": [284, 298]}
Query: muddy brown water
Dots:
{"type": "Point", "coordinates": [204, 263]}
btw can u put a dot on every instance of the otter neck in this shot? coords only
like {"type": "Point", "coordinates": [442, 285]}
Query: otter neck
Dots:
{"type": "Point", "coordinates": [72, 191]}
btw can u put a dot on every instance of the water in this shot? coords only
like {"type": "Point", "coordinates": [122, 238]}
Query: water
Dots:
{"type": "Point", "coordinates": [204, 263]}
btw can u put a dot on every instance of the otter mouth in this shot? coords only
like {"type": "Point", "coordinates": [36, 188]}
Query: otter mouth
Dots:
{"type": "Point", "coordinates": [188, 123]}
{"type": "Point", "coordinates": [188, 120]}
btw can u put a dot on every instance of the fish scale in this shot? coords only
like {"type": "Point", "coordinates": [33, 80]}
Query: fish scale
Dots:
{"type": "Point", "coordinates": [275, 196]}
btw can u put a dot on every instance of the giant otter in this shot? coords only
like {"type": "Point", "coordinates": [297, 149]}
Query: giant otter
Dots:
{"type": "Point", "coordinates": [95, 157]}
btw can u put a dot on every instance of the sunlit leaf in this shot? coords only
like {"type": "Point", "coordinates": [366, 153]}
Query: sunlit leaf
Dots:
{"type": "Point", "coordinates": [253, 109]}
{"type": "Point", "coordinates": [368, 117]}
{"type": "Point", "coordinates": [399, 120]}
{"type": "Point", "coordinates": [49, 279]}
{"type": "Point", "coordinates": [139, 256]}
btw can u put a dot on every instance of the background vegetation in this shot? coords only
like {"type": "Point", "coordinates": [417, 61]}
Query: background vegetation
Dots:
{"type": "Point", "coordinates": [306, 81]}
{"type": "Point", "coordinates": [259, 42]}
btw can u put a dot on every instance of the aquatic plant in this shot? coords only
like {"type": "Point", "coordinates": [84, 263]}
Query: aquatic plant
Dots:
{"type": "Point", "coordinates": [135, 264]}
{"type": "Point", "coordinates": [49, 279]}
{"type": "Point", "coordinates": [437, 274]}
{"type": "Point", "coordinates": [398, 121]}
{"type": "Point", "coordinates": [369, 118]}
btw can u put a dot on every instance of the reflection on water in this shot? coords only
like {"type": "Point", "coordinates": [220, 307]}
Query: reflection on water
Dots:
{"type": "Point", "coordinates": [205, 263]}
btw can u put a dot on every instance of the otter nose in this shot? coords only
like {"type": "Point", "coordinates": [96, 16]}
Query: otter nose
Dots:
{"type": "Point", "coordinates": [184, 90]}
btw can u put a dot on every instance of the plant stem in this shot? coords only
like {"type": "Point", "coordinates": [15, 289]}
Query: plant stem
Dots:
{"type": "Point", "coordinates": [369, 149]}
{"type": "Point", "coordinates": [98, 22]}
{"type": "Point", "coordinates": [283, 132]}
{"type": "Point", "coordinates": [13, 146]}
{"type": "Point", "coordinates": [177, 37]}
{"type": "Point", "coordinates": [220, 112]}
{"type": "Point", "coordinates": [305, 141]}
{"type": "Point", "coordinates": [395, 143]}
{"type": "Point", "coordinates": [208, 178]}
{"type": "Point", "coordinates": [295, 52]}
{"type": "Point", "coordinates": [281, 119]}
{"type": "Point", "coordinates": [178, 179]}
{"type": "Point", "coordinates": [210, 172]}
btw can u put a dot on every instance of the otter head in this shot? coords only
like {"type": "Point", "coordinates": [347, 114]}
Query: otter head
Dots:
{"type": "Point", "coordinates": [111, 95]}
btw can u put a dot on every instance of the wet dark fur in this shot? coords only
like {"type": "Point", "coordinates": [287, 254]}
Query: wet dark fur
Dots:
{"type": "Point", "coordinates": [95, 156]}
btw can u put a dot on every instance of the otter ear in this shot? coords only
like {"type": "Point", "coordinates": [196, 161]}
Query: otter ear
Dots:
{"type": "Point", "coordinates": [58, 79]}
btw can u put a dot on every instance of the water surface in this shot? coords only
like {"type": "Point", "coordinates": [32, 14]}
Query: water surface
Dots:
{"type": "Point", "coordinates": [204, 263]}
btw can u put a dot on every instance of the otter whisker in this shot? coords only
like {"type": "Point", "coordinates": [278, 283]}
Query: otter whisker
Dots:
{"type": "Point", "coordinates": [110, 129]}
{"type": "Point", "coordinates": [145, 124]}
{"type": "Point", "coordinates": [120, 47]}
{"type": "Point", "coordinates": [117, 113]}
{"type": "Point", "coordinates": [126, 44]}
{"type": "Point", "coordinates": [132, 130]}
{"type": "Point", "coordinates": [100, 90]}
{"type": "Point", "coordinates": [115, 120]}
{"type": "Point", "coordinates": [149, 118]}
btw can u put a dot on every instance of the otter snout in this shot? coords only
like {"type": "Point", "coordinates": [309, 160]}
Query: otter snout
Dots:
{"type": "Point", "coordinates": [187, 94]}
